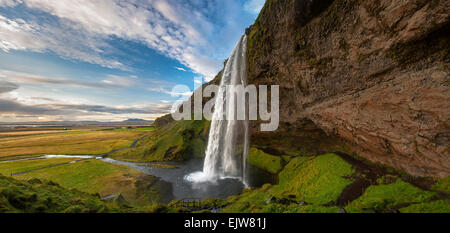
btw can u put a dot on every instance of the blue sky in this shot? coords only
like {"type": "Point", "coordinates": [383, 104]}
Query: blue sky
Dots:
{"type": "Point", "coordinates": [110, 60]}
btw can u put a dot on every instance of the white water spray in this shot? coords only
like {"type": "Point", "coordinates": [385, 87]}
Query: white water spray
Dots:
{"type": "Point", "coordinates": [226, 153]}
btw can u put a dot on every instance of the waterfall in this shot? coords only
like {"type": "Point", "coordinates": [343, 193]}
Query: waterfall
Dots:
{"type": "Point", "coordinates": [226, 153]}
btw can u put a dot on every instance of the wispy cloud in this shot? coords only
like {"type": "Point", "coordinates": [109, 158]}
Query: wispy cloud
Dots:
{"type": "Point", "coordinates": [170, 92]}
{"type": "Point", "coordinates": [180, 69]}
{"type": "Point", "coordinates": [161, 25]}
{"type": "Point", "coordinates": [120, 81]}
{"type": "Point", "coordinates": [14, 107]}
{"type": "Point", "coordinates": [26, 78]}
{"type": "Point", "coordinates": [7, 86]}
{"type": "Point", "coordinates": [18, 34]}
{"type": "Point", "coordinates": [9, 3]}
{"type": "Point", "coordinates": [11, 106]}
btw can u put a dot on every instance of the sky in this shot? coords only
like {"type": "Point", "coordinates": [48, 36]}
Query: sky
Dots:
{"type": "Point", "coordinates": [111, 60]}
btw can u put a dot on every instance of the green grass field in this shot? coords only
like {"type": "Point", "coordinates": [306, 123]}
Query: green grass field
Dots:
{"type": "Point", "coordinates": [8, 168]}
{"type": "Point", "coordinates": [91, 176]}
{"type": "Point", "coordinates": [88, 142]}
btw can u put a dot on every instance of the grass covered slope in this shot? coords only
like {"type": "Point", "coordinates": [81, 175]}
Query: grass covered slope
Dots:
{"type": "Point", "coordinates": [265, 161]}
{"type": "Point", "coordinates": [318, 180]}
{"type": "Point", "coordinates": [385, 197]}
{"type": "Point", "coordinates": [439, 206]}
{"type": "Point", "coordinates": [94, 176]}
{"type": "Point", "coordinates": [41, 196]}
{"type": "Point", "coordinates": [176, 140]}
{"type": "Point", "coordinates": [317, 184]}
{"type": "Point", "coordinates": [315, 180]}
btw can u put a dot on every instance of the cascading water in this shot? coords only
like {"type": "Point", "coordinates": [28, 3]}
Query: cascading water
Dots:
{"type": "Point", "coordinates": [226, 153]}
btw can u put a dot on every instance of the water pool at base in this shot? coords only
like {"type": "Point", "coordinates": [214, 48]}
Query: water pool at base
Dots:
{"type": "Point", "coordinates": [181, 188]}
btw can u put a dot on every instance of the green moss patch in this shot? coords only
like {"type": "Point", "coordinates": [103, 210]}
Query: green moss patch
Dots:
{"type": "Point", "coordinates": [385, 197]}
{"type": "Point", "coordinates": [42, 196]}
{"type": "Point", "coordinates": [442, 185]}
{"type": "Point", "coordinates": [313, 209]}
{"type": "Point", "coordinates": [316, 180]}
{"type": "Point", "coordinates": [267, 162]}
{"type": "Point", "coordinates": [251, 201]}
{"type": "Point", "coordinates": [314, 184]}
{"type": "Point", "coordinates": [440, 206]}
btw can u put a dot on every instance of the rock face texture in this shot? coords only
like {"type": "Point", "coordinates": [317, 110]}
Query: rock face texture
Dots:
{"type": "Point", "coordinates": [367, 77]}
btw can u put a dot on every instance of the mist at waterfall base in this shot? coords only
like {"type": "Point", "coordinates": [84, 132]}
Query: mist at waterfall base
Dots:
{"type": "Point", "coordinates": [227, 149]}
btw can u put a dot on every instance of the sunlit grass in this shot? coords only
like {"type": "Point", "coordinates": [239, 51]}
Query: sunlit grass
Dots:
{"type": "Point", "coordinates": [267, 162]}
{"type": "Point", "coordinates": [15, 167]}
{"type": "Point", "coordinates": [91, 176]}
{"type": "Point", "coordinates": [440, 206]}
{"type": "Point", "coordinates": [390, 196]}
{"type": "Point", "coordinates": [316, 180]}
{"type": "Point", "coordinates": [173, 141]}
{"type": "Point", "coordinates": [71, 143]}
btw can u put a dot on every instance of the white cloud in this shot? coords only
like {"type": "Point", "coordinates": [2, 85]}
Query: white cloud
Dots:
{"type": "Point", "coordinates": [198, 81]}
{"type": "Point", "coordinates": [115, 80]}
{"type": "Point", "coordinates": [181, 69]}
{"type": "Point", "coordinates": [17, 34]}
{"type": "Point", "coordinates": [172, 93]}
{"type": "Point", "coordinates": [9, 3]}
{"type": "Point", "coordinates": [26, 78]}
{"type": "Point", "coordinates": [176, 29]}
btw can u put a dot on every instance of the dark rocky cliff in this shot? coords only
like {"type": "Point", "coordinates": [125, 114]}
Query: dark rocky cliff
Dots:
{"type": "Point", "coordinates": [363, 77]}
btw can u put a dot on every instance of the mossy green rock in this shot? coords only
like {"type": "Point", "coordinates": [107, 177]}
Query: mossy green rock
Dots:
{"type": "Point", "coordinates": [386, 197]}
{"type": "Point", "coordinates": [267, 162]}
{"type": "Point", "coordinates": [439, 206]}
{"type": "Point", "coordinates": [317, 180]}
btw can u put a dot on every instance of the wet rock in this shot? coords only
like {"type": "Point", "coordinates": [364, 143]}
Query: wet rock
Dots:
{"type": "Point", "coordinates": [303, 203]}
{"type": "Point", "coordinates": [284, 201]}
{"type": "Point", "coordinates": [394, 211]}
{"type": "Point", "coordinates": [247, 31]}
{"type": "Point", "coordinates": [270, 199]}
